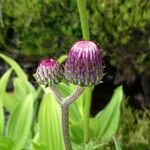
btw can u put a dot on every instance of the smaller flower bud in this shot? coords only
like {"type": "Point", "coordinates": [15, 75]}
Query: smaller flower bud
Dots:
{"type": "Point", "coordinates": [49, 72]}
{"type": "Point", "coordinates": [84, 64]}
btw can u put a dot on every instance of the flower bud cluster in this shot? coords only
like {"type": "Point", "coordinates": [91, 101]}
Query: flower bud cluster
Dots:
{"type": "Point", "coordinates": [83, 66]}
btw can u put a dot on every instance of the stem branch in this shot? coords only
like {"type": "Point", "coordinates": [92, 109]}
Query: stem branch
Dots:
{"type": "Point", "coordinates": [64, 104]}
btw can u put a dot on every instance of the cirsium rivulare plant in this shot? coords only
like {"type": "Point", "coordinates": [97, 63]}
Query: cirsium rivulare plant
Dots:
{"type": "Point", "coordinates": [83, 67]}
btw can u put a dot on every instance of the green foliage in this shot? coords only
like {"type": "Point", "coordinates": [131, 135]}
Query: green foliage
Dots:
{"type": "Point", "coordinates": [6, 143]}
{"type": "Point", "coordinates": [19, 122]}
{"type": "Point", "coordinates": [108, 119]}
{"type": "Point", "coordinates": [102, 127]}
{"type": "Point", "coordinates": [3, 84]}
{"type": "Point", "coordinates": [15, 66]}
{"type": "Point", "coordinates": [19, 104]}
{"type": "Point", "coordinates": [49, 123]}
{"type": "Point", "coordinates": [24, 130]}
{"type": "Point", "coordinates": [121, 27]}
{"type": "Point", "coordinates": [40, 31]}
{"type": "Point", "coordinates": [134, 130]}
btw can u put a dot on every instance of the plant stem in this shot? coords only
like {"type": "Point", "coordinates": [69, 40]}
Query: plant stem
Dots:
{"type": "Point", "coordinates": [83, 19]}
{"type": "Point", "coordinates": [87, 108]}
{"type": "Point", "coordinates": [71, 98]}
{"type": "Point", "coordinates": [65, 127]}
{"type": "Point", "coordinates": [64, 104]}
{"type": "Point", "coordinates": [86, 36]}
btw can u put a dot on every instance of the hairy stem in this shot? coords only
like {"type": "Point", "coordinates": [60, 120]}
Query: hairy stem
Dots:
{"type": "Point", "coordinates": [71, 98]}
{"type": "Point", "coordinates": [64, 104]}
{"type": "Point", "coordinates": [65, 127]}
{"type": "Point", "coordinates": [83, 19]}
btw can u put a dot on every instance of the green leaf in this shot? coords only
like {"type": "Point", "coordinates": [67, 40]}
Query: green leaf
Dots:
{"type": "Point", "coordinates": [108, 118]}
{"type": "Point", "coordinates": [10, 101]}
{"type": "Point", "coordinates": [19, 122]}
{"type": "Point", "coordinates": [1, 118]}
{"type": "Point", "coordinates": [4, 81]}
{"type": "Point", "coordinates": [6, 143]}
{"type": "Point", "coordinates": [3, 85]}
{"type": "Point", "coordinates": [117, 146]}
{"type": "Point", "coordinates": [93, 128]}
{"type": "Point", "coordinates": [49, 123]}
{"type": "Point", "coordinates": [77, 133]}
{"type": "Point", "coordinates": [20, 73]}
{"type": "Point", "coordinates": [22, 88]}
{"type": "Point", "coordinates": [38, 146]}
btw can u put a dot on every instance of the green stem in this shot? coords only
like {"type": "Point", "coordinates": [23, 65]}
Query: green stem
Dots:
{"type": "Point", "coordinates": [87, 108]}
{"type": "Point", "coordinates": [88, 93]}
{"type": "Point", "coordinates": [83, 19]}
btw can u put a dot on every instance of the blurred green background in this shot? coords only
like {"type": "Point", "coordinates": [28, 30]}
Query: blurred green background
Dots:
{"type": "Point", "coordinates": [49, 27]}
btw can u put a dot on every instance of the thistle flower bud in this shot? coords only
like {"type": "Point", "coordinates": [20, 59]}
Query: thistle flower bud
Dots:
{"type": "Point", "coordinates": [84, 64]}
{"type": "Point", "coordinates": [49, 72]}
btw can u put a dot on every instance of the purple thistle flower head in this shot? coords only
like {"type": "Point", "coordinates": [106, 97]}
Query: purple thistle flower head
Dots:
{"type": "Point", "coordinates": [49, 72]}
{"type": "Point", "coordinates": [84, 64]}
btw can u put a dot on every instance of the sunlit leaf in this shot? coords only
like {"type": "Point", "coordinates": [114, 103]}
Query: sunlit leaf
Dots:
{"type": "Point", "coordinates": [19, 122]}
{"type": "Point", "coordinates": [77, 133]}
{"type": "Point", "coordinates": [15, 66]}
{"type": "Point", "coordinates": [22, 88]}
{"type": "Point", "coordinates": [10, 101]}
{"type": "Point", "coordinates": [3, 85]}
{"type": "Point", "coordinates": [108, 118]}
{"type": "Point", "coordinates": [49, 123]}
{"type": "Point", "coordinates": [6, 143]}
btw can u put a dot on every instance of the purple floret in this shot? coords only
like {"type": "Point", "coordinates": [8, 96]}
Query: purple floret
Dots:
{"type": "Point", "coordinates": [84, 64]}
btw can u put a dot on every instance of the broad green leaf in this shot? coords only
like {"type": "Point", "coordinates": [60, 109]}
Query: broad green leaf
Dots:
{"type": "Point", "coordinates": [10, 101]}
{"type": "Point", "coordinates": [93, 128]}
{"type": "Point", "coordinates": [20, 73]}
{"type": "Point", "coordinates": [19, 122]}
{"type": "Point", "coordinates": [3, 85]}
{"type": "Point", "coordinates": [6, 143]}
{"type": "Point", "coordinates": [108, 118]}
{"type": "Point", "coordinates": [77, 133]}
{"type": "Point", "coordinates": [49, 123]}
{"type": "Point", "coordinates": [22, 88]}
